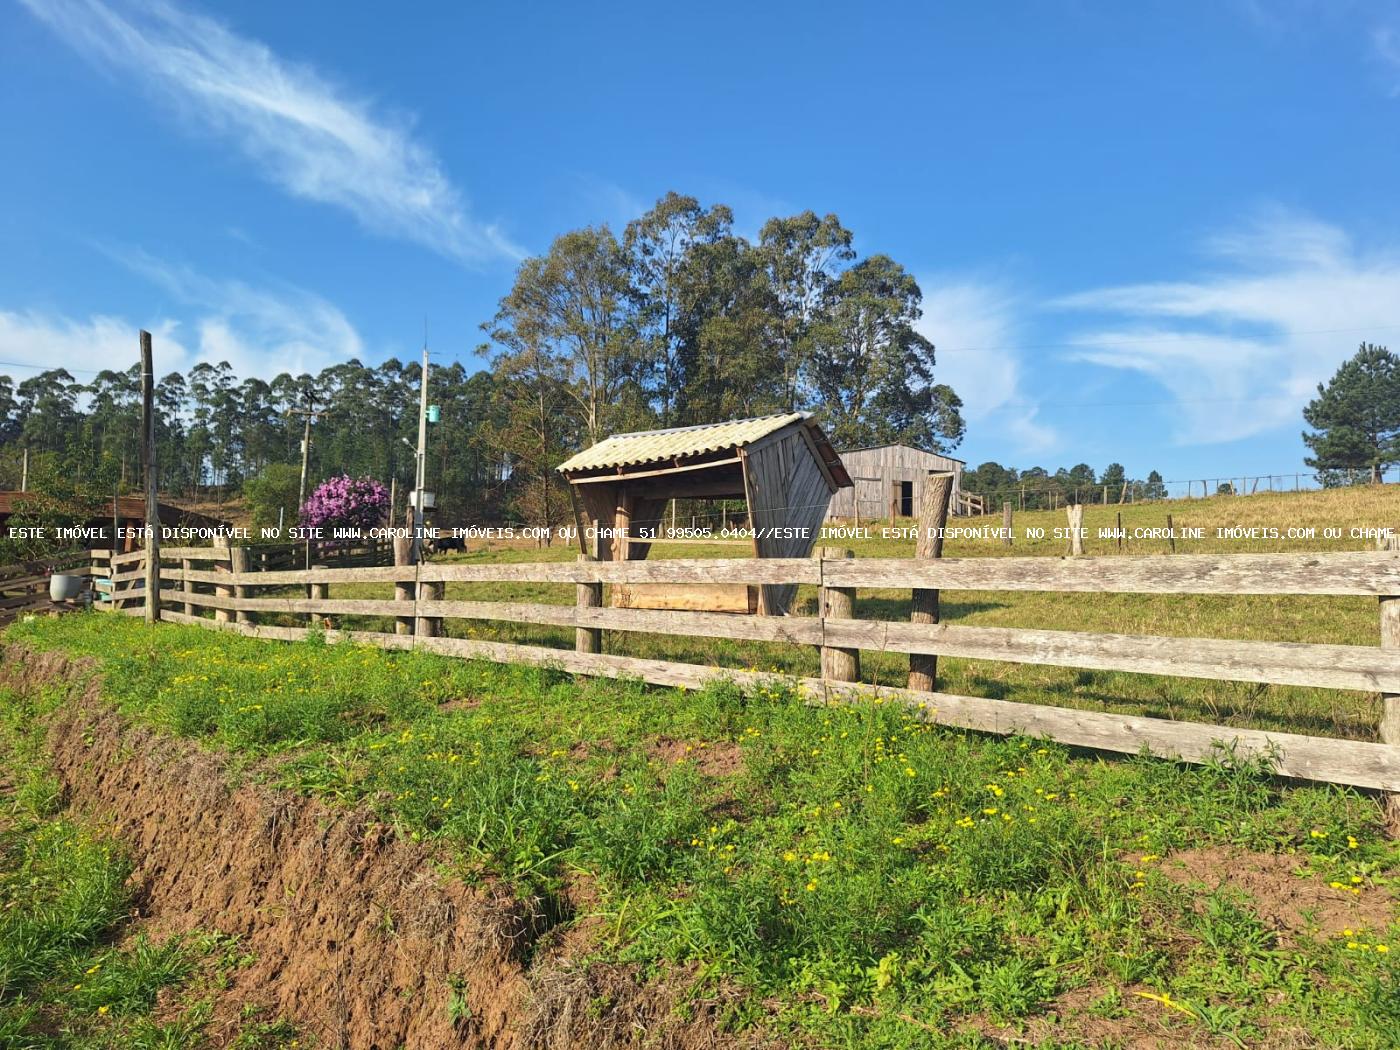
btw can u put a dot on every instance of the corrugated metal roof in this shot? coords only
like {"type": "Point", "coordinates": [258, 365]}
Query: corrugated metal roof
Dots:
{"type": "Point", "coordinates": [652, 446]}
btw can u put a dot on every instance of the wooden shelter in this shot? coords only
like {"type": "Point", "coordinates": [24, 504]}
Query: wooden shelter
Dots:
{"type": "Point", "coordinates": [888, 482]}
{"type": "Point", "coordinates": [782, 466]}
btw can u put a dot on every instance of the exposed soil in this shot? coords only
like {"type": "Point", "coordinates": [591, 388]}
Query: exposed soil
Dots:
{"type": "Point", "coordinates": [356, 937]}
{"type": "Point", "coordinates": [712, 758]}
{"type": "Point", "coordinates": [1290, 904]}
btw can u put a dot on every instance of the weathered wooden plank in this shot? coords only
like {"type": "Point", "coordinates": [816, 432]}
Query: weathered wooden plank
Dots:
{"type": "Point", "coordinates": [1279, 663]}
{"type": "Point", "coordinates": [695, 597]}
{"type": "Point", "coordinates": [1351, 572]}
{"type": "Point", "coordinates": [196, 553]}
{"type": "Point", "coordinates": [699, 570]}
{"type": "Point", "coordinates": [294, 634]}
{"type": "Point", "coordinates": [322, 606]}
{"type": "Point", "coordinates": [291, 577]}
{"type": "Point", "coordinates": [1337, 761]}
{"type": "Point", "coordinates": [801, 630]}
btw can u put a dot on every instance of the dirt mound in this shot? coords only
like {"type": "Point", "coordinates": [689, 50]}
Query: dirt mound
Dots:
{"type": "Point", "coordinates": [355, 937]}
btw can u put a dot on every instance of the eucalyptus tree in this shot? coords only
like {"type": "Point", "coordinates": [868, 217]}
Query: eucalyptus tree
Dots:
{"type": "Point", "coordinates": [802, 255]}
{"type": "Point", "coordinates": [870, 371]}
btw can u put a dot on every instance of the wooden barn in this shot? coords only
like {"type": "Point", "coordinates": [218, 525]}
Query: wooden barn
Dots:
{"type": "Point", "coordinates": [782, 466]}
{"type": "Point", "coordinates": [888, 482]}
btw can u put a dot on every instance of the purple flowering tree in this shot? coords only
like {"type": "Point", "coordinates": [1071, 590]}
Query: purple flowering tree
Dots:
{"type": "Point", "coordinates": [346, 502]}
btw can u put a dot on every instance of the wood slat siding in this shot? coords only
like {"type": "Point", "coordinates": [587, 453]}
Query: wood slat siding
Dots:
{"type": "Point", "coordinates": [786, 490]}
{"type": "Point", "coordinates": [1358, 572]}
{"type": "Point", "coordinates": [881, 467]}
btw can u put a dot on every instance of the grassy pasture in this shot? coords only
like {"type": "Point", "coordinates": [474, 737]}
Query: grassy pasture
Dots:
{"type": "Point", "coordinates": [842, 876]}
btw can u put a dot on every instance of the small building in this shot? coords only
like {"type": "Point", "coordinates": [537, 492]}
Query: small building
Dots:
{"type": "Point", "coordinates": [888, 482]}
{"type": "Point", "coordinates": [782, 466]}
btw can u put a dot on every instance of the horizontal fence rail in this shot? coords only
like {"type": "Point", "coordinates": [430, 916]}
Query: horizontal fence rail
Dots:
{"type": "Point", "coordinates": [227, 579]}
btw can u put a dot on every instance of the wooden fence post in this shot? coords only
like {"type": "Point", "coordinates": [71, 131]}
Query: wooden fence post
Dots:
{"type": "Point", "coordinates": [1171, 534]}
{"type": "Point", "coordinates": [1119, 531]}
{"type": "Point", "coordinates": [222, 590]}
{"type": "Point", "coordinates": [1006, 522]}
{"type": "Point", "coordinates": [186, 585]}
{"type": "Point", "coordinates": [590, 596]}
{"type": "Point", "coordinates": [238, 563]}
{"type": "Point", "coordinates": [1075, 513]}
{"type": "Point", "coordinates": [429, 591]}
{"type": "Point", "coordinates": [403, 589]}
{"type": "Point", "coordinates": [838, 603]}
{"type": "Point", "coordinates": [148, 462]}
{"type": "Point", "coordinates": [1390, 702]}
{"type": "Point", "coordinates": [933, 516]}
{"type": "Point", "coordinates": [316, 592]}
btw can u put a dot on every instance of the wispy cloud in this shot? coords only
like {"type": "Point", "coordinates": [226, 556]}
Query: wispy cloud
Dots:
{"type": "Point", "coordinates": [308, 136]}
{"type": "Point", "coordinates": [258, 331]}
{"type": "Point", "coordinates": [973, 325]}
{"type": "Point", "coordinates": [1241, 347]}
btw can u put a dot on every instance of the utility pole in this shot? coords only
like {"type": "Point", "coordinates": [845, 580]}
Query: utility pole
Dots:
{"type": "Point", "coordinates": [309, 411]}
{"type": "Point", "coordinates": [24, 472]}
{"type": "Point", "coordinates": [422, 458]}
{"type": "Point", "coordinates": [148, 450]}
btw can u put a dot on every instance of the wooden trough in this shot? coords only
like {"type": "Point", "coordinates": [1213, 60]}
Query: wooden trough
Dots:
{"type": "Point", "coordinates": [782, 466]}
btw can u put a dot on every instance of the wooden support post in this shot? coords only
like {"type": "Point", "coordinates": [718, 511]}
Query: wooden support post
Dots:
{"type": "Point", "coordinates": [429, 626]}
{"type": "Point", "coordinates": [222, 590]}
{"type": "Point", "coordinates": [1075, 513]}
{"type": "Point", "coordinates": [317, 592]}
{"type": "Point", "coordinates": [1390, 702]}
{"type": "Point", "coordinates": [148, 458]}
{"type": "Point", "coordinates": [238, 562]}
{"type": "Point", "coordinates": [1171, 534]}
{"type": "Point", "coordinates": [403, 589]}
{"type": "Point", "coordinates": [1006, 522]}
{"type": "Point", "coordinates": [1119, 532]}
{"type": "Point", "coordinates": [590, 596]}
{"type": "Point", "coordinates": [186, 585]}
{"type": "Point", "coordinates": [838, 603]}
{"type": "Point", "coordinates": [933, 517]}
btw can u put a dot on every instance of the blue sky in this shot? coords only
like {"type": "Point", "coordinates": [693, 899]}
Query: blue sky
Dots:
{"type": "Point", "coordinates": [1144, 232]}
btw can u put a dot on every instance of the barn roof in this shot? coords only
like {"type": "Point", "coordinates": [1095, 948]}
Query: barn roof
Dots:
{"type": "Point", "coordinates": [656, 446]}
{"type": "Point", "coordinates": [901, 444]}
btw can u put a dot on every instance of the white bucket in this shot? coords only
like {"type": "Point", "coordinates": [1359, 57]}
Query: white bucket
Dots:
{"type": "Point", "coordinates": [64, 588]}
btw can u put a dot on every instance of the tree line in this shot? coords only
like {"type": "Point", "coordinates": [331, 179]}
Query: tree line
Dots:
{"type": "Point", "coordinates": [1039, 489]}
{"type": "Point", "coordinates": [679, 321]}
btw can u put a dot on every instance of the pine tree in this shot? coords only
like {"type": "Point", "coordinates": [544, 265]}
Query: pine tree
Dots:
{"type": "Point", "coordinates": [1356, 415]}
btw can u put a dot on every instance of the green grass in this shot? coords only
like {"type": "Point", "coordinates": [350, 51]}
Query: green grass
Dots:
{"type": "Point", "coordinates": [859, 879]}
{"type": "Point", "coordinates": [72, 975]}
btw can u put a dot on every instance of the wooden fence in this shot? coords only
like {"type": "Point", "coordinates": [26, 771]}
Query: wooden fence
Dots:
{"type": "Point", "coordinates": [221, 580]}
{"type": "Point", "coordinates": [25, 585]}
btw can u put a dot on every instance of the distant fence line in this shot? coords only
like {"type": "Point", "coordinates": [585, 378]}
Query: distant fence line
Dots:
{"type": "Point", "coordinates": [1030, 496]}
{"type": "Point", "coordinates": [224, 594]}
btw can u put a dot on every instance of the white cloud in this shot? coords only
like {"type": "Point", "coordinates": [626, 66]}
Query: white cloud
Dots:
{"type": "Point", "coordinates": [973, 326]}
{"type": "Point", "coordinates": [305, 134]}
{"type": "Point", "coordinates": [259, 332]}
{"type": "Point", "coordinates": [1242, 346]}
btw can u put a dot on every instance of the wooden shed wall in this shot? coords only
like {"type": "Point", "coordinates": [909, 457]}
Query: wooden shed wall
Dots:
{"type": "Point", "coordinates": [786, 490]}
{"type": "Point", "coordinates": [875, 470]}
